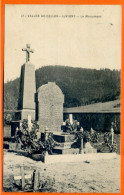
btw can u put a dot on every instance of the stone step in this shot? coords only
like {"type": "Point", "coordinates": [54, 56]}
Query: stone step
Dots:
{"type": "Point", "coordinates": [64, 138]}
{"type": "Point", "coordinates": [60, 150]}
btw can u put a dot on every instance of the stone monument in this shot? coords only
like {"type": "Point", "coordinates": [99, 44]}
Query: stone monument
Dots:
{"type": "Point", "coordinates": [49, 104]}
{"type": "Point", "coordinates": [26, 102]}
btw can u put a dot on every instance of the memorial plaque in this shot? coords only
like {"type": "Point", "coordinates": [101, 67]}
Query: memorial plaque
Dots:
{"type": "Point", "coordinates": [50, 107]}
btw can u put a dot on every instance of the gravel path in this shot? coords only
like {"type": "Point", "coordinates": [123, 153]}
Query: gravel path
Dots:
{"type": "Point", "coordinates": [93, 176]}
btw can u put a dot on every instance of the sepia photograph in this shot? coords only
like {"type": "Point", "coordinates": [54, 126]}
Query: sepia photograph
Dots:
{"type": "Point", "coordinates": [62, 98]}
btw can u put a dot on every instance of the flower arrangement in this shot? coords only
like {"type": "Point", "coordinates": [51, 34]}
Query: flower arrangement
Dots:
{"type": "Point", "coordinates": [29, 140]}
{"type": "Point", "coordinates": [108, 142]}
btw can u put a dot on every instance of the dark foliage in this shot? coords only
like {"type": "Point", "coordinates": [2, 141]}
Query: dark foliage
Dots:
{"type": "Point", "coordinates": [87, 137]}
{"type": "Point", "coordinates": [99, 122]}
{"type": "Point", "coordinates": [8, 117]}
{"type": "Point", "coordinates": [94, 139]}
{"type": "Point", "coordinates": [80, 86]}
{"type": "Point", "coordinates": [108, 143]}
{"type": "Point", "coordinates": [11, 93]}
{"type": "Point", "coordinates": [29, 140]}
{"type": "Point", "coordinates": [71, 127]}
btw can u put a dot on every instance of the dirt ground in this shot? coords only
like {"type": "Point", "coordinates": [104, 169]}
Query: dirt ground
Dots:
{"type": "Point", "coordinates": [93, 176]}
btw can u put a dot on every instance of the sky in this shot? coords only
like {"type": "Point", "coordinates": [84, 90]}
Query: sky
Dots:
{"type": "Point", "coordinates": [87, 36]}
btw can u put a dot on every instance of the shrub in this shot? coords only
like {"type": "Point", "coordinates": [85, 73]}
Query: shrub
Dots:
{"type": "Point", "coordinates": [29, 140]}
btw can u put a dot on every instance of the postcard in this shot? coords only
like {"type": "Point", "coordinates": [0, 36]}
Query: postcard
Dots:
{"type": "Point", "coordinates": [62, 98]}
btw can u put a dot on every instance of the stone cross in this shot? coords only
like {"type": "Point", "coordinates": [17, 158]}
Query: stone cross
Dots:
{"type": "Point", "coordinates": [28, 50]}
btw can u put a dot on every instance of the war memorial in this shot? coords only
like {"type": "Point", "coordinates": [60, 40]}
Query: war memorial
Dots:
{"type": "Point", "coordinates": [40, 115]}
{"type": "Point", "coordinates": [62, 106]}
{"type": "Point", "coordinates": [44, 131]}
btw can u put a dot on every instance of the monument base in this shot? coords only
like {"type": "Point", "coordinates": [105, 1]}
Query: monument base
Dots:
{"type": "Point", "coordinates": [66, 144]}
{"type": "Point", "coordinates": [64, 137]}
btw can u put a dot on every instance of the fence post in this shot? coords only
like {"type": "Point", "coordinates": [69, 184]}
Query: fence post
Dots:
{"type": "Point", "coordinates": [36, 177]}
{"type": "Point", "coordinates": [23, 177]}
{"type": "Point", "coordinates": [81, 147]}
{"type": "Point", "coordinates": [112, 133]}
{"type": "Point", "coordinates": [82, 141]}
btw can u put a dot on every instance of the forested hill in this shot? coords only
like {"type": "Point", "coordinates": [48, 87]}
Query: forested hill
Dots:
{"type": "Point", "coordinates": [80, 86]}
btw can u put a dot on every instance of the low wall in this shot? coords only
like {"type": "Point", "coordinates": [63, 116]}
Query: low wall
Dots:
{"type": "Point", "coordinates": [78, 158]}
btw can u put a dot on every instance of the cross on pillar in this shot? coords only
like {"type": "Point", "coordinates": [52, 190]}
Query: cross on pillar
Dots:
{"type": "Point", "coordinates": [28, 50]}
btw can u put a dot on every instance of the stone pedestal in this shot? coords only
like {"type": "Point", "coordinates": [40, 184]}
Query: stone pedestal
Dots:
{"type": "Point", "coordinates": [62, 138]}
{"type": "Point", "coordinates": [65, 142]}
{"type": "Point", "coordinates": [26, 102]}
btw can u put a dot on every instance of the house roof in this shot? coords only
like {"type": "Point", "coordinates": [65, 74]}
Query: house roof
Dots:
{"type": "Point", "coordinates": [106, 107]}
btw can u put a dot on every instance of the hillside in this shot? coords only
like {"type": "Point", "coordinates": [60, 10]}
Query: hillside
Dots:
{"type": "Point", "coordinates": [80, 86]}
